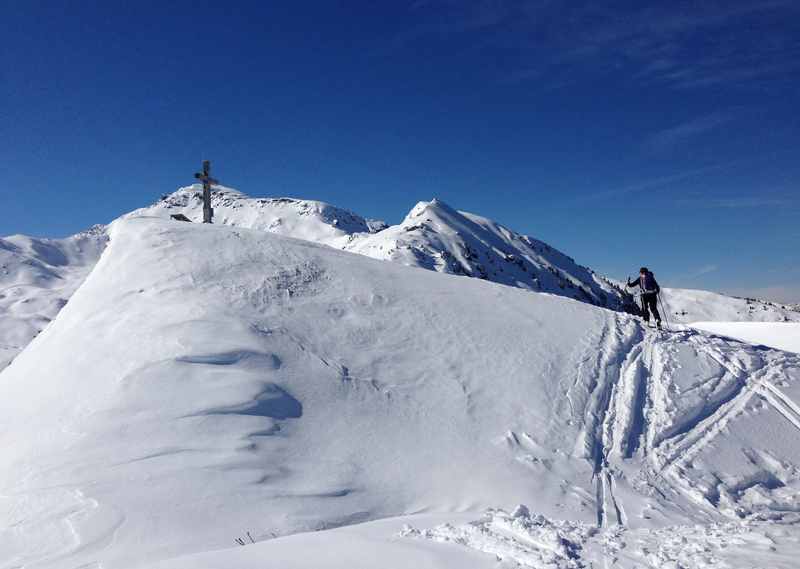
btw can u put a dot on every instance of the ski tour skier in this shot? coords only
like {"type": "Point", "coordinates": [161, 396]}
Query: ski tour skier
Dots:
{"type": "Point", "coordinates": [650, 289]}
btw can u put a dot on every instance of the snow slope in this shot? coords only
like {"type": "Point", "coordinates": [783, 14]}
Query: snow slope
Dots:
{"type": "Point", "coordinates": [378, 544]}
{"type": "Point", "coordinates": [685, 306]}
{"type": "Point", "coordinates": [209, 381]}
{"type": "Point", "coordinates": [37, 277]}
{"type": "Point", "coordinates": [779, 335]}
{"type": "Point", "coordinates": [519, 540]}
{"type": "Point", "coordinates": [437, 237]}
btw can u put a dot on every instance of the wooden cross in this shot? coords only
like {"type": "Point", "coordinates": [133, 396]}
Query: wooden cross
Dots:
{"type": "Point", "coordinates": [205, 177]}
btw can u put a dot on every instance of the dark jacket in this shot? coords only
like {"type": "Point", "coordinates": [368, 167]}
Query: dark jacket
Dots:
{"type": "Point", "coordinates": [647, 282]}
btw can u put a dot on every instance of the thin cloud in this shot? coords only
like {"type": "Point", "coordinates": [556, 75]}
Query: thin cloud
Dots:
{"type": "Point", "coordinates": [738, 202]}
{"type": "Point", "coordinates": [704, 270]}
{"type": "Point", "coordinates": [650, 183]}
{"type": "Point", "coordinates": [680, 134]}
{"type": "Point", "coordinates": [743, 41]}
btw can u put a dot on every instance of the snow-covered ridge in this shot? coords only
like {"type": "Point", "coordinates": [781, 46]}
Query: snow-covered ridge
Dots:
{"type": "Point", "coordinates": [212, 382]}
{"type": "Point", "coordinates": [37, 277]}
{"type": "Point", "coordinates": [433, 236]}
{"type": "Point", "coordinates": [685, 306]}
{"type": "Point", "coordinates": [437, 237]}
{"type": "Point", "coordinates": [303, 219]}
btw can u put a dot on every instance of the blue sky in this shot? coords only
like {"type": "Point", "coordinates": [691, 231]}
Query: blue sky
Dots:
{"type": "Point", "coordinates": [624, 133]}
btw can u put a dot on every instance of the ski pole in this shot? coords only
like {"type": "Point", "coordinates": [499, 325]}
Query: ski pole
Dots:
{"type": "Point", "coordinates": [661, 302]}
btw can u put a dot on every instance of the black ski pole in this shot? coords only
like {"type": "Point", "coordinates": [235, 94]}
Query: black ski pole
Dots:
{"type": "Point", "coordinates": [661, 302]}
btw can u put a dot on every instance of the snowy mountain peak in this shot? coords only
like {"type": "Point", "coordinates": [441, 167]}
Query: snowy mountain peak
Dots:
{"type": "Point", "coordinates": [438, 237]}
{"type": "Point", "coordinates": [433, 207]}
{"type": "Point", "coordinates": [183, 195]}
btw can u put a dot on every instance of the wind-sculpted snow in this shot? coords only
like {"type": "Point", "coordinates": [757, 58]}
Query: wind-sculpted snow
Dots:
{"type": "Point", "coordinates": [144, 402]}
{"type": "Point", "coordinates": [210, 382]}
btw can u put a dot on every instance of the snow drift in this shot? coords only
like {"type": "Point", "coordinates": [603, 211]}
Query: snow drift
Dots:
{"type": "Point", "coordinates": [206, 381]}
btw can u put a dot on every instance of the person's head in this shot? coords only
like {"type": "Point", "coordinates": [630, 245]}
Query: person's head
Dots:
{"type": "Point", "coordinates": [643, 271]}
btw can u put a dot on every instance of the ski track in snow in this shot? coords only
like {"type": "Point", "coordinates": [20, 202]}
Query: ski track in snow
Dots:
{"type": "Point", "coordinates": [617, 428]}
{"type": "Point", "coordinates": [782, 403]}
{"type": "Point", "coordinates": [672, 456]}
{"type": "Point", "coordinates": [617, 417]}
{"type": "Point", "coordinates": [612, 422]}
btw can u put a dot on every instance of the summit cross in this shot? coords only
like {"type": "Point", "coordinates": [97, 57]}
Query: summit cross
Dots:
{"type": "Point", "coordinates": [205, 177]}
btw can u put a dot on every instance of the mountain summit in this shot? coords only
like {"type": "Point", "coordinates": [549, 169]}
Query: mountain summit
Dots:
{"type": "Point", "coordinates": [303, 219]}
{"type": "Point", "coordinates": [437, 237]}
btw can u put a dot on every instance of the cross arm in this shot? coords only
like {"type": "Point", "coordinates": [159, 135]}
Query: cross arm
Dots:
{"type": "Point", "coordinates": [205, 178]}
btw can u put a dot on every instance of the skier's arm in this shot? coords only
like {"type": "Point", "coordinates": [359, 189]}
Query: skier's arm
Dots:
{"type": "Point", "coordinates": [633, 284]}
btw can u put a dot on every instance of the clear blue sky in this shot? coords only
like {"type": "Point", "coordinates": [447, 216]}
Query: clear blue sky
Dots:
{"type": "Point", "coordinates": [624, 133]}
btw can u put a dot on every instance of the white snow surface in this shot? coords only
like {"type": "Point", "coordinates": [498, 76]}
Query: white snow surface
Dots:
{"type": "Point", "coordinates": [37, 277]}
{"type": "Point", "coordinates": [437, 237]}
{"type": "Point", "coordinates": [519, 539]}
{"type": "Point", "coordinates": [380, 544]}
{"type": "Point", "coordinates": [779, 335]}
{"type": "Point", "coordinates": [688, 305]}
{"type": "Point", "coordinates": [208, 381]}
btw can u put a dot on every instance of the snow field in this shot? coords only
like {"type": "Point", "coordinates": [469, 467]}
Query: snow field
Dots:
{"type": "Point", "coordinates": [182, 399]}
{"type": "Point", "coordinates": [778, 335]}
